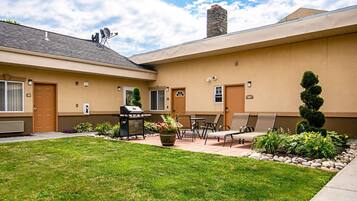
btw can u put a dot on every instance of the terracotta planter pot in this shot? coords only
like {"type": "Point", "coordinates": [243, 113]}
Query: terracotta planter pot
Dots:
{"type": "Point", "coordinates": [168, 139]}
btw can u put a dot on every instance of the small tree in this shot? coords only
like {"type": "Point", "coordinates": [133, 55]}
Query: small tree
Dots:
{"type": "Point", "coordinates": [314, 120]}
{"type": "Point", "coordinates": [136, 100]}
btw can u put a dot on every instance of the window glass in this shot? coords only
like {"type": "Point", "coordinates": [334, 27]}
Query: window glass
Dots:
{"type": "Point", "coordinates": [2, 96]}
{"type": "Point", "coordinates": [153, 99]}
{"type": "Point", "coordinates": [14, 96]}
{"type": "Point", "coordinates": [161, 100]}
{"type": "Point", "coordinates": [218, 95]}
{"type": "Point", "coordinates": [157, 100]}
{"type": "Point", "coordinates": [128, 95]}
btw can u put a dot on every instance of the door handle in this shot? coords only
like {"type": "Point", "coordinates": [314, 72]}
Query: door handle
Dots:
{"type": "Point", "coordinates": [226, 109]}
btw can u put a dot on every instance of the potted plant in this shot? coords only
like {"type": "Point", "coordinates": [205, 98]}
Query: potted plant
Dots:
{"type": "Point", "coordinates": [168, 129]}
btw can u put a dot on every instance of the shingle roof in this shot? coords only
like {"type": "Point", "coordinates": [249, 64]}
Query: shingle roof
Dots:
{"type": "Point", "coordinates": [32, 39]}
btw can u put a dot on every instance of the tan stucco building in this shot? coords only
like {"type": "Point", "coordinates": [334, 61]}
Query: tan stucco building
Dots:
{"type": "Point", "coordinates": [255, 71]}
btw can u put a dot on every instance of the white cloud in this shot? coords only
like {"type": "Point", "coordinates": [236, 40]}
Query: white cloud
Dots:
{"type": "Point", "coordinates": [147, 25]}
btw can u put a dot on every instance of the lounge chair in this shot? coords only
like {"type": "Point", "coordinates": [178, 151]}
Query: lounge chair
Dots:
{"type": "Point", "coordinates": [265, 123]}
{"type": "Point", "coordinates": [238, 125]}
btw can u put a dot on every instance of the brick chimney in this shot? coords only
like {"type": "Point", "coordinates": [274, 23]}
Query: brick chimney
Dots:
{"type": "Point", "coordinates": [216, 21]}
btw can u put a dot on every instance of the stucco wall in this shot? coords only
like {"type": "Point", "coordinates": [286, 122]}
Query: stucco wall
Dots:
{"type": "Point", "coordinates": [102, 93]}
{"type": "Point", "coordinates": [275, 73]}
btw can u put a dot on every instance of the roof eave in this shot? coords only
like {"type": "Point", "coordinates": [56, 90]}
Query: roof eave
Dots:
{"type": "Point", "coordinates": [61, 63]}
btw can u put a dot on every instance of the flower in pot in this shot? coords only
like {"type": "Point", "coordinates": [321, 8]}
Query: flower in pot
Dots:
{"type": "Point", "coordinates": [168, 129]}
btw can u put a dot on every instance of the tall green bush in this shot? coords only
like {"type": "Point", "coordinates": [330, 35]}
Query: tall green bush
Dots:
{"type": "Point", "coordinates": [313, 119]}
{"type": "Point", "coordinates": [136, 98]}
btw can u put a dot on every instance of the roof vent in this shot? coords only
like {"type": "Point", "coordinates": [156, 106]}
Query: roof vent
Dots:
{"type": "Point", "coordinates": [46, 36]}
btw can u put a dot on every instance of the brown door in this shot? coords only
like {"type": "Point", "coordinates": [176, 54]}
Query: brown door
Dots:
{"type": "Point", "coordinates": [178, 102]}
{"type": "Point", "coordinates": [44, 108]}
{"type": "Point", "coordinates": [234, 102]}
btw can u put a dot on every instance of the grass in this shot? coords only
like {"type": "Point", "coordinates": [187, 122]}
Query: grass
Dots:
{"type": "Point", "coordinates": [96, 169]}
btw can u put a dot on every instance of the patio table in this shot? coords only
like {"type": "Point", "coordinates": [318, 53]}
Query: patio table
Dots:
{"type": "Point", "coordinates": [195, 125]}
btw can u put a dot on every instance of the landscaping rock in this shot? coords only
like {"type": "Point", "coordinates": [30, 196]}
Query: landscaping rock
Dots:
{"type": "Point", "coordinates": [328, 164]}
{"type": "Point", "coordinates": [264, 158]}
{"type": "Point", "coordinates": [255, 156]}
{"type": "Point", "coordinates": [339, 165]}
{"type": "Point", "coordinates": [306, 163]}
{"type": "Point", "coordinates": [316, 165]}
{"type": "Point", "coordinates": [288, 161]}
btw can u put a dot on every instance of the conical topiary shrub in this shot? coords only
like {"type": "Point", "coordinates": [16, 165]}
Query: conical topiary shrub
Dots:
{"type": "Point", "coordinates": [314, 120]}
{"type": "Point", "coordinates": [136, 100]}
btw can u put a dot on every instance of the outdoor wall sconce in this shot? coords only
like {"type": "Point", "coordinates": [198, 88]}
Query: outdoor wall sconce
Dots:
{"type": "Point", "coordinates": [85, 83]}
{"type": "Point", "coordinates": [167, 89]}
{"type": "Point", "coordinates": [210, 78]}
{"type": "Point", "coordinates": [29, 82]}
{"type": "Point", "coordinates": [249, 84]}
{"type": "Point", "coordinates": [119, 88]}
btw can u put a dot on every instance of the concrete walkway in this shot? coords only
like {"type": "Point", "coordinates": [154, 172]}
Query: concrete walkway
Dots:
{"type": "Point", "coordinates": [343, 187]}
{"type": "Point", "coordinates": [40, 136]}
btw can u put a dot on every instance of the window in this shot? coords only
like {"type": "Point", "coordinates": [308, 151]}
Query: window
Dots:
{"type": "Point", "coordinates": [157, 100]}
{"type": "Point", "coordinates": [128, 95]}
{"type": "Point", "coordinates": [11, 96]}
{"type": "Point", "coordinates": [218, 94]}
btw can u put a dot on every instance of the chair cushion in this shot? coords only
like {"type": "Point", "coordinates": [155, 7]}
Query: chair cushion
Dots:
{"type": "Point", "coordinates": [222, 133]}
{"type": "Point", "coordinates": [249, 136]}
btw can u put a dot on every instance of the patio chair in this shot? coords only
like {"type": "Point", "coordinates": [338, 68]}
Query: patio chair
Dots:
{"type": "Point", "coordinates": [213, 126]}
{"type": "Point", "coordinates": [265, 123]}
{"type": "Point", "coordinates": [238, 125]}
{"type": "Point", "coordinates": [185, 121]}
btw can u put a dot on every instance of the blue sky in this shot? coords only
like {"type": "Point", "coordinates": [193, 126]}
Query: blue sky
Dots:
{"type": "Point", "coordinates": [145, 25]}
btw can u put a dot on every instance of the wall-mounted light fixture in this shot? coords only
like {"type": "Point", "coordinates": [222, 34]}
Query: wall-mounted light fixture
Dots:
{"type": "Point", "coordinates": [249, 84]}
{"type": "Point", "coordinates": [85, 83]}
{"type": "Point", "coordinates": [167, 89]}
{"type": "Point", "coordinates": [211, 77]}
{"type": "Point", "coordinates": [119, 88]}
{"type": "Point", "coordinates": [29, 82]}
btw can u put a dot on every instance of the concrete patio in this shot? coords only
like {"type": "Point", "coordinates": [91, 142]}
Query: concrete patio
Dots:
{"type": "Point", "coordinates": [197, 145]}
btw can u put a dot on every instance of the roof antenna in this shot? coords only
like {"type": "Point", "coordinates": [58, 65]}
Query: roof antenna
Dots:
{"type": "Point", "coordinates": [46, 36]}
{"type": "Point", "coordinates": [105, 35]}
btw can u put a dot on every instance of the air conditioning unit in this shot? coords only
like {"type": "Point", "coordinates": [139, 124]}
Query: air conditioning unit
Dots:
{"type": "Point", "coordinates": [12, 126]}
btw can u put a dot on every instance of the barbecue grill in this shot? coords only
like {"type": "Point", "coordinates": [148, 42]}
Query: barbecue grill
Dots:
{"type": "Point", "coordinates": [131, 122]}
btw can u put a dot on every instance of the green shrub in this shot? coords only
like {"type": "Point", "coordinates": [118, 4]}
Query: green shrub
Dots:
{"type": "Point", "coordinates": [103, 128]}
{"type": "Point", "coordinates": [115, 131]}
{"type": "Point", "coordinates": [136, 99]}
{"type": "Point", "coordinates": [310, 144]}
{"type": "Point", "coordinates": [270, 143]}
{"type": "Point", "coordinates": [83, 127]}
{"type": "Point", "coordinates": [151, 127]}
{"type": "Point", "coordinates": [314, 120]}
{"type": "Point", "coordinates": [340, 141]}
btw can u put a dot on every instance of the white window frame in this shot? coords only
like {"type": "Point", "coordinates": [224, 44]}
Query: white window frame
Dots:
{"type": "Point", "coordinates": [23, 96]}
{"type": "Point", "coordinates": [157, 99]}
{"type": "Point", "coordinates": [124, 93]}
{"type": "Point", "coordinates": [215, 93]}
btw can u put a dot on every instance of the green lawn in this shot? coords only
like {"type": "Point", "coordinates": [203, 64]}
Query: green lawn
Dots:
{"type": "Point", "coordinates": [96, 169]}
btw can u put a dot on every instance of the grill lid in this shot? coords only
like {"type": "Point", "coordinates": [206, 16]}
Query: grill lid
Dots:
{"type": "Point", "coordinates": [130, 110]}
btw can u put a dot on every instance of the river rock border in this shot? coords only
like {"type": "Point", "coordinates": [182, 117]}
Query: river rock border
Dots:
{"type": "Point", "coordinates": [336, 164]}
